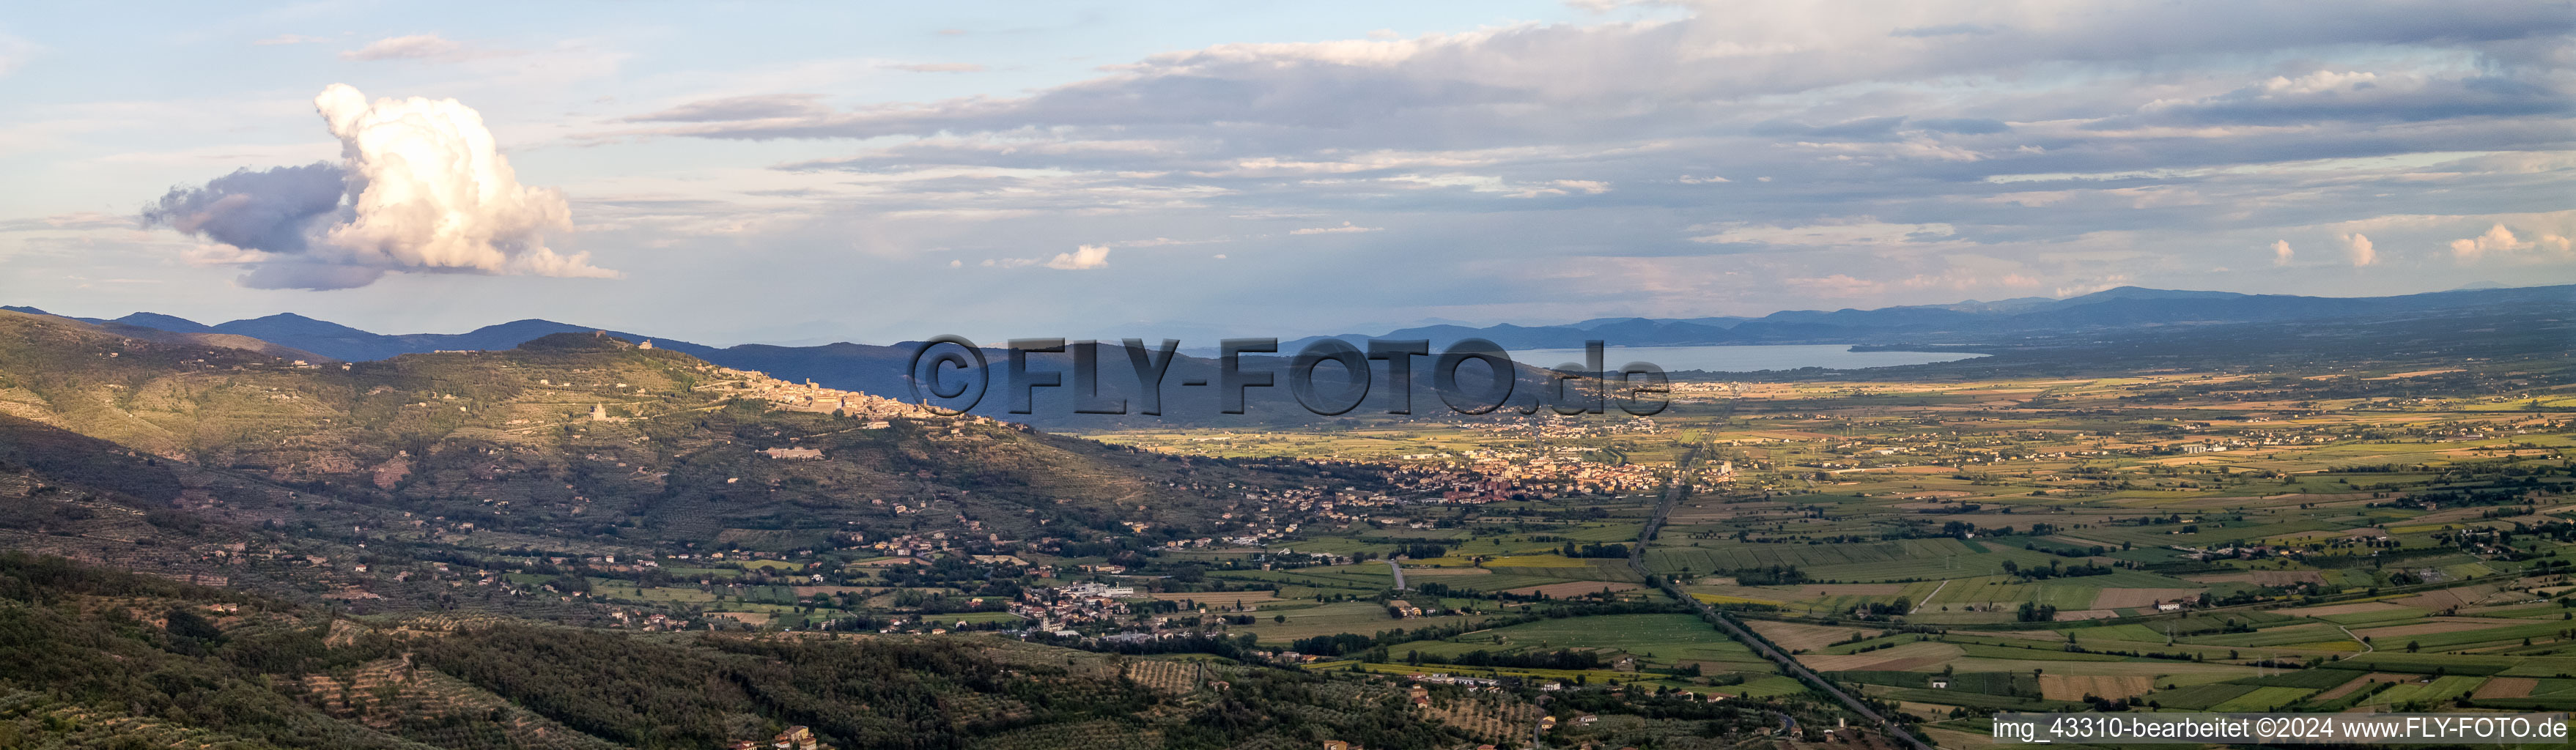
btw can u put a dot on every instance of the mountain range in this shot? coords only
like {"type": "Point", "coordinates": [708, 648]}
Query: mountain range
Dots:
{"type": "Point", "coordinates": [1975, 322]}
{"type": "Point", "coordinates": [1964, 322]}
{"type": "Point", "coordinates": [2010, 325]}
{"type": "Point", "coordinates": [342, 343]}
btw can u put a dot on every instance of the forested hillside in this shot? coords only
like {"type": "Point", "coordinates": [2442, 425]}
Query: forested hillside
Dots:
{"type": "Point", "coordinates": [91, 657]}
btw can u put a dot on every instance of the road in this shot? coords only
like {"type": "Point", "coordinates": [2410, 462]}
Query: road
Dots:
{"type": "Point", "coordinates": [2365, 645]}
{"type": "Point", "coordinates": [1927, 598]}
{"type": "Point", "coordinates": [1538, 726]}
{"type": "Point", "coordinates": [1637, 561]}
{"type": "Point", "coordinates": [1399, 573]}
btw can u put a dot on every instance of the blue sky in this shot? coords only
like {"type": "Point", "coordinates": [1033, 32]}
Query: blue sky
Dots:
{"type": "Point", "coordinates": [805, 172]}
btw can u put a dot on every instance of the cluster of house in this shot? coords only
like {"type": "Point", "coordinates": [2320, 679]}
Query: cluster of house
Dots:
{"type": "Point", "coordinates": [795, 738]}
{"type": "Point", "coordinates": [652, 621]}
{"type": "Point", "coordinates": [1441, 483]}
{"type": "Point", "coordinates": [1563, 471]}
{"type": "Point", "coordinates": [808, 396]}
{"type": "Point", "coordinates": [1341, 745]}
{"type": "Point", "coordinates": [1262, 517]}
{"type": "Point", "coordinates": [1444, 678]}
{"type": "Point", "coordinates": [1559, 426]}
{"type": "Point", "coordinates": [1056, 609]}
{"type": "Point", "coordinates": [2242, 552]}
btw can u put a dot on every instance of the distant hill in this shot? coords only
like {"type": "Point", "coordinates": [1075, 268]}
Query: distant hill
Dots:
{"type": "Point", "coordinates": [564, 421]}
{"type": "Point", "coordinates": [343, 343]}
{"type": "Point", "coordinates": [171, 323]}
{"type": "Point", "coordinates": [1981, 326]}
{"type": "Point", "coordinates": [860, 367]}
{"type": "Point", "coordinates": [208, 338]}
{"type": "Point", "coordinates": [1972, 322]}
{"type": "Point", "coordinates": [1962, 322]}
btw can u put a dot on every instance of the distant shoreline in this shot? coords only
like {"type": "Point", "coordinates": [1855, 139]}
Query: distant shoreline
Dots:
{"type": "Point", "coordinates": [1752, 357]}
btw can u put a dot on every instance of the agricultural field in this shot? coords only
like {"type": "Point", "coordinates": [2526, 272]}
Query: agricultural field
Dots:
{"type": "Point", "coordinates": [1965, 547]}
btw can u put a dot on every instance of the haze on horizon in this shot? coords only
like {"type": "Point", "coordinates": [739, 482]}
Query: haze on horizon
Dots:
{"type": "Point", "coordinates": [820, 172]}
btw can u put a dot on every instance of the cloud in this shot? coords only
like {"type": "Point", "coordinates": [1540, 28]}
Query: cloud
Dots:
{"type": "Point", "coordinates": [421, 187]}
{"type": "Point", "coordinates": [939, 67]}
{"type": "Point", "coordinates": [1868, 140]}
{"type": "Point", "coordinates": [271, 210]}
{"type": "Point", "coordinates": [1953, 29]}
{"type": "Point", "coordinates": [1345, 228]}
{"type": "Point", "coordinates": [1836, 285]}
{"type": "Point", "coordinates": [2401, 96]}
{"type": "Point", "coordinates": [1633, 78]}
{"type": "Point", "coordinates": [290, 39]}
{"type": "Point", "coordinates": [738, 108]}
{"type": "Point", "coordinates": [2499, 240]}
{"type": "Point", "coordinates": [1564, 187]}
{"type": "Point", "coordinates": [1169, 242]}
{"type": "Point", "coordinates": [70, 222]}
{"type": "Point", "coordinates": [2079, 289]}
{"type": "Point", "coordinates": [1845, 233]}
{"type": "Point", "coordinates": [414, 47]}
{"type": "Point", "coordinates": [2281, 252]}
{"type": "Point", "coordinates": [1083, 258]}
{"type": "Point", "coordinates": [2358, 247]}
{"type": "Point", "coordinates": [1963, 125]}
{"type": "Point", "coordinates": [1968, 272]}
{"type": "Point", "coordinates": [1864, 128]}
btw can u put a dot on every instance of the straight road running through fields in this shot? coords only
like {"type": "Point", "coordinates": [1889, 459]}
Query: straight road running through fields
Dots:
{"type": "Point", "coordinates": [1927, 598]}
{"type": "Point", "coordinates": [1673, 490]}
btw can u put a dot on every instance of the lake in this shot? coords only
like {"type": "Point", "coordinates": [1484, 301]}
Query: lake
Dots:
{"type": "Point", "coordinates": [1742, 358]}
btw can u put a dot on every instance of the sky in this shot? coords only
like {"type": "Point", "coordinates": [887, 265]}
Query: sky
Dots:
{"type": "Point", "coordinates": [802, 173]}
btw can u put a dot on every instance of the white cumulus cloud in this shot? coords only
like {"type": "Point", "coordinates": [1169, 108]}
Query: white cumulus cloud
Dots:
{"type": "Point", "coordinates": [421, 186]}
{"type": "Point", "coordinates": [2499, 240]}
{"type": "Point", "coordinates": [1082, 258]}
{"type": "Point", "coordinates": [2358, 246]}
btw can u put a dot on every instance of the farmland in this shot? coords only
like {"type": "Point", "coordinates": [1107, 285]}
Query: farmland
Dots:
{"type": "Point", "coordinates": [1950, 543]}
{"type": "Point", "coordinates": [2162, 541]}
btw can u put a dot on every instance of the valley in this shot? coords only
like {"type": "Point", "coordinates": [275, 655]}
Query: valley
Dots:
{"type": "Point", "coordinates": [1939, 543]}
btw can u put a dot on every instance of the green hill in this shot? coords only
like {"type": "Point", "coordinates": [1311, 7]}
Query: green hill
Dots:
{"type": "Point", "coordinates": [571, 444]}
{"type": "Point", "coordinates": [96, 658]}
